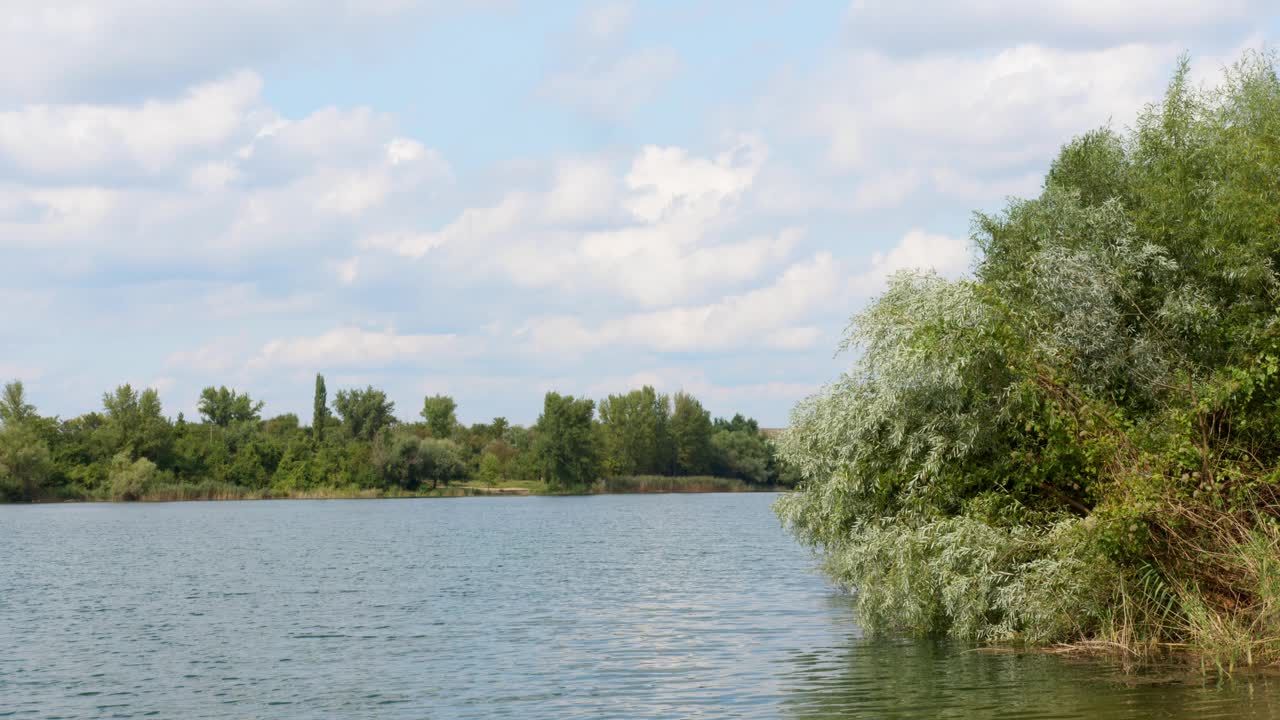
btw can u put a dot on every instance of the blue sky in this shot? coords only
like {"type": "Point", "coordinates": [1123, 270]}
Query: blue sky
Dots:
{"type": "Point", "coordinates": [516, 197]}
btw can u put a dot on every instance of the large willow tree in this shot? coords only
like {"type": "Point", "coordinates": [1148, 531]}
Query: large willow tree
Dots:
{"type": "Point", "coordinates": [1079, 440]}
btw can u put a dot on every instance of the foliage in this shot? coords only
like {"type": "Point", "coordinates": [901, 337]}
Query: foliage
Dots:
{"type": "Point", "coordinates": [365, 413]}
{"type": "Point", "coordinates": [566, 448]}
{"type": "Point", "coordinates": [490, 471]}
{"type": "Point", "coordinates": [222, 406]}
{"type": "Point", "coordinates": [407, 461]}
{"type": "Point", "coordinates": [1093, 411]}
{"type": "Point", "coordinates": [319, 409]}
{"type": "Point", "coordinates": [132, 451]}
{"type": "Point", "coordinates": [690, 435]}
{"type": "Point", "coordinates": [636, 432]}
{"type": "Point", "coordinates": [129, 478]}
{"type": "Point", "coordinates": [742, 455]}
{"type": "Point", "coordinates": [133, 423]}
{"type": "Point", "coordinates": [439, 412]}
{"type": "Point", "coordinates": [25, 461]}
{"type": "Point", "coordinates": [14, 408]}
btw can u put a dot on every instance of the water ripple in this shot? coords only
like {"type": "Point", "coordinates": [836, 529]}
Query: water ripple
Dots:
{"type": "Point", "coordinates": [599, 607]}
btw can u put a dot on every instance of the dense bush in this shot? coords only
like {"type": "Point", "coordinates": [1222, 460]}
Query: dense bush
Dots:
{"type": "Point", "coordinates": [1081, 439]}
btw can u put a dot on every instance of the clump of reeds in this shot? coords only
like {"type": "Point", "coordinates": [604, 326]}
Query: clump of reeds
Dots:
{"type": "Point", "coordinates": [670, 484]}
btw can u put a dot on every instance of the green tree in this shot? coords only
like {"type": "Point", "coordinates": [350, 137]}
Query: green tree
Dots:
{"type": "Point", "coordinates": [438, 411]}
{"type": "Point", "coordinates": [365, 413]}
{"type": "Point", "coordinates": [25, 463]}
{"type": "Point", "coordinates": [319, 409]}
{"type": "Point", "coordinates": [130, 478]}
{"type": "Point", "coordinates": [490, 471]}
{"type": "Point", "coordinates": [134, 422]}
{"type": "Point", "coordinates": [441, 461]}
{"type": "Point", "coordinates": [1093, 410]}
{"type": "Point", "coordinates": [636, 433]}
{"type": "Point", "coordinates": [740, 454]}
{"type": "Point", "coordinates": [14, 408]}
{"type": "Point", "coordinates": [222, 406]}
{"type": "Point", "coordinates": [408, 461]}
{"type": "Point", "coordinates": [691, 435]}
{"type": "Point", "coordinates": [293, 472]}
{"type": "Point", "coordinates": [739, 423]}
{"type": "Point", "coordinates": [565, 448]}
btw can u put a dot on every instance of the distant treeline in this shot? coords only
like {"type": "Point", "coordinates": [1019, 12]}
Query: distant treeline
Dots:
{"type": "Point", "coordinates": [355, 445]}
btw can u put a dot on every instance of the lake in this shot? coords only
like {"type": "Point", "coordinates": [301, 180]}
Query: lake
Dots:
{"type": "Point", "coordinates": [621, 606]}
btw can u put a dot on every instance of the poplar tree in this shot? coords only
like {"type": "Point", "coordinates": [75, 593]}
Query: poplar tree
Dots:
{"type": "Point", "coordinates": [320, 409]}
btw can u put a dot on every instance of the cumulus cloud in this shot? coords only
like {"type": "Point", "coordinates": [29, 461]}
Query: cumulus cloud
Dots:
{"type": "Point", "coordinates": [94, 141]}
{"type": "Point", "coordinates": [917, 250]}
{"type": "Point", "coordinates": [970, 126]}
{"type": "Point", "coordinates": [215, 175]}
{"type": "Point", "coordinates": [621, 256]}
{"type": "Point", "coordinates": [112, 50]}
{"type": "Point", "coordinates": [762, 318]}
{"type": "Point", "coordinates": [665, 231]}
{"type": "Point", "coordinates": [356, 347]}
{"type": "Point", "coordinates": [992, 111]}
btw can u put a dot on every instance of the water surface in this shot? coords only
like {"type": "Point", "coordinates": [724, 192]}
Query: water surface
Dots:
{"type": "Point", "coordinates": [642, 606]}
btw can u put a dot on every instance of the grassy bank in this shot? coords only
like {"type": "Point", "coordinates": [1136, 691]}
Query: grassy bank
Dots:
{"type": "Point", "coordinates": [211, 490]}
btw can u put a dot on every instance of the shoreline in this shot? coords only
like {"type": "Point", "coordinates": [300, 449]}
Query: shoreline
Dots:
{"type": "Point", "coordinates": [656, 485]}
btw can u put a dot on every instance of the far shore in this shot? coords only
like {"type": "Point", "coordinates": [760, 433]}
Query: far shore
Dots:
{"type": "Point", "coordinates": [630, 485]}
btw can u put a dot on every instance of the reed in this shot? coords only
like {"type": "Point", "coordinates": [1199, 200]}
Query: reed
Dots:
{"type": "Point", "coordinates": [670, 484]}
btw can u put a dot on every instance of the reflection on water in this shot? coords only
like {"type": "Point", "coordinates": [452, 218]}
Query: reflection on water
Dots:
{"type": "Point", "coordinates": [912, 679]}
{"type": "Point", "coordinates": [595, 607]}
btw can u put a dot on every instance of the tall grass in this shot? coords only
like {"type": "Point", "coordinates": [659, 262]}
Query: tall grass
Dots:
{"type": "Point", "coordinates": [213, 490]}
{"type": "Point", "coordinates": [670, 484]}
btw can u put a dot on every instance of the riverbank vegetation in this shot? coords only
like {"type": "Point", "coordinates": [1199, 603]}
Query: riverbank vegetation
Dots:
{"type": "Point", "coordinates": [356, 447]}
{"type": "Point", "coordinates": [1080, 442]}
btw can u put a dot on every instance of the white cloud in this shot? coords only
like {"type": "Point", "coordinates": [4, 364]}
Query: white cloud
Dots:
{"type": "Point", "coordinates": [943, 25]}
{"type": "Point", "coordinates": [665, 180]}
{"type": "Point", "coordinates": [88, 141]}
{"type": "Point", "coordinates": [991, 111]}
{"type": "Point", "coordinates": [975, 124]}
{"type": "Point", "coordinates": [163, 156]}
{"type": "Point", "coordinates": [215, 176]}
{"type": "Point", "coordinates": [761, 318]}
{"type": "Point", "coordinates": [665, 232]}
{"type": "Point", "coordinates": [405, 244]}
{"type": "Point", "coordinates": [585, 191]}
{"type": "Point", "coordinates": [127, 49]}
{"type": "Point", "coordinates": [917, 250]}
{"type": "Point", "coordinates": [352, 346]}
